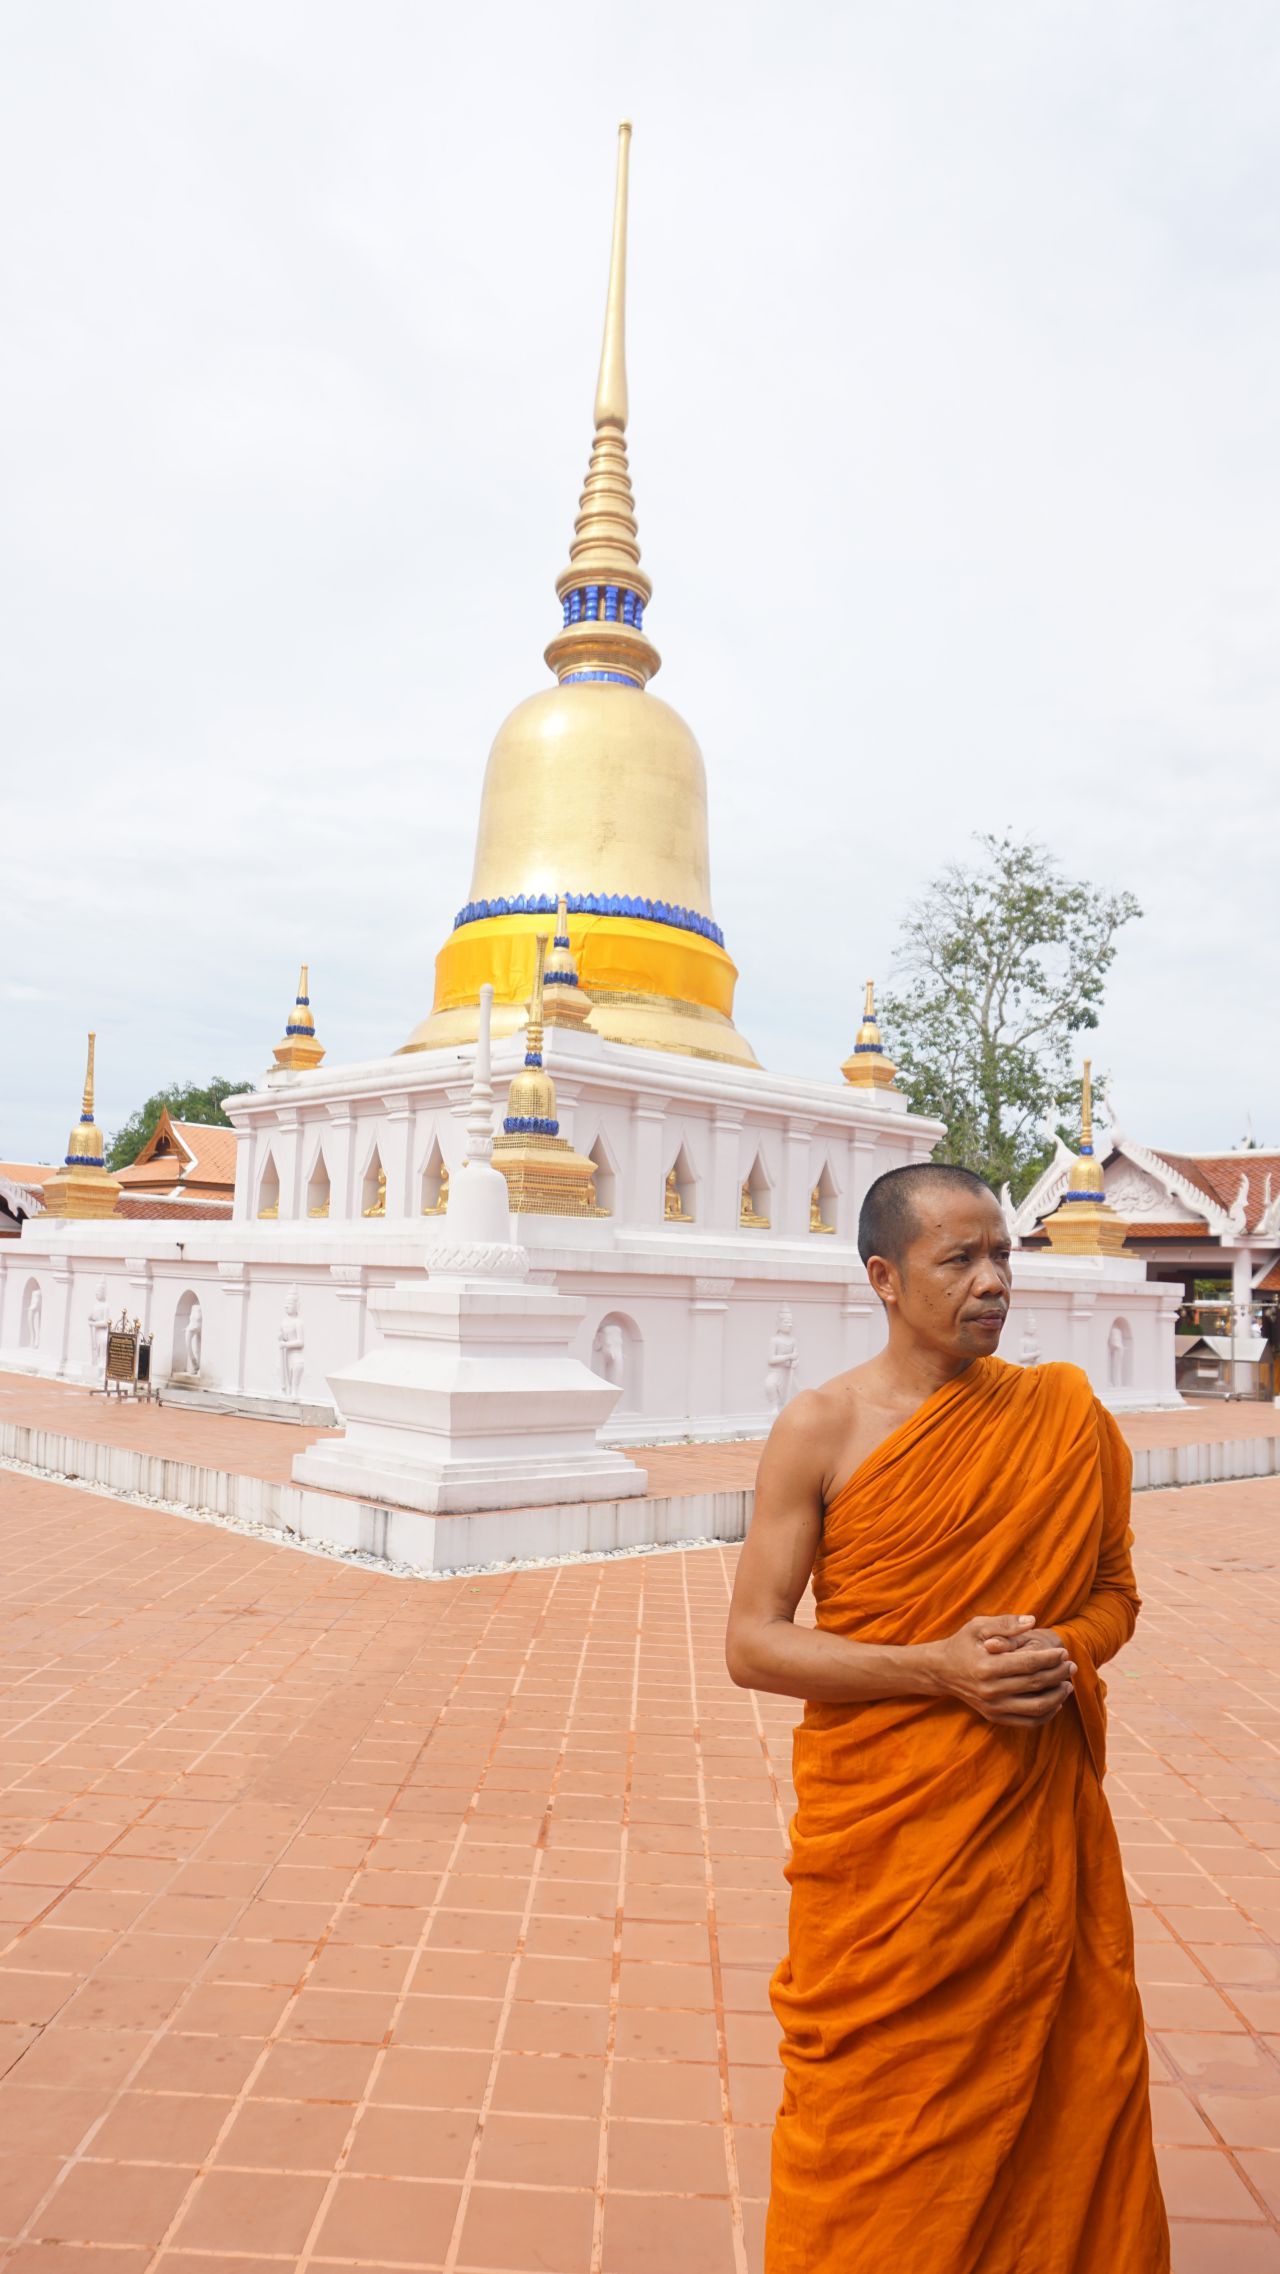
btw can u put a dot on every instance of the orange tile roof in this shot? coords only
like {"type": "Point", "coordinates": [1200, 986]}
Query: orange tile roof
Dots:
{"type": "Point", "coordinates": [1140, 1229]}
{"type": "Point", "coordinates": [1218, 1176]}
{"type": "Point", "coordinates": [160, 1207]}
{"type": "Point", "coordinates": [34, 1173]}
{"type": "Point", "coordinates": [187, 1156]}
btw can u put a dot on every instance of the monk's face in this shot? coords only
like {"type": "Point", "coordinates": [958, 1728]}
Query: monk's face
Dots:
{"type": "Point", "coordinates": [950, 1291]}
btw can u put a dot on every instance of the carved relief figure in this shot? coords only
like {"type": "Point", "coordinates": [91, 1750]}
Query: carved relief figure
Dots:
{"type": "Point", "coordinates": [1131, 1193]}
{"type": "Point", "coordinates": [291, 1340]}
{"type": "Point", "coordinates": [784, 1357]}
{"type": "Point", "coordinates": [607, 1354]}
{"type": "Point", "coordinates": [31, 1320]}
{"type": "Point", "coordinates": [1029, 1351]}
{"type": "Point", "coordinates": [1118, 1355]}
{"type": "Point", "coordinates": [99, 1327]}
{"type": "Point", "coordinates": [194, 1335]}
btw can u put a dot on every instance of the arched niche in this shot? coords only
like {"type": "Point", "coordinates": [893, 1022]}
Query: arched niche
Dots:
{"type": "Point", "coordinates": [824, 1202]}
{"type": "Point", "coordinates": [319, 1190]}
{"type": "Point", "coordinates": [1120, 1355]}
{"type": "Point", "coordinates": [186, 1356]}
{"type": "Point", "coordinates": [435, 1182]}
{"type": "Point", "coordinates": [606, 1176]}
{"type": "Point", "coordinates": [373, 1190]}
{"type": "Point", "coordinates": [680, 1195]}
{"type": "Point", "coordinates": [755, 1199]}
{"type": "Point", "coordinates": [617, 1355]}
{"type": "Point", "coordinates": [269, 1189]}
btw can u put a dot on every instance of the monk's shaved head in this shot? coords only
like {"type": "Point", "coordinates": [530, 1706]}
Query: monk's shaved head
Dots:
{"type": "Point", "coordinates": [889, 1220]}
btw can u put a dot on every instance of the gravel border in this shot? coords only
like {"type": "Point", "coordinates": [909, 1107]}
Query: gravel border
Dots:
{"type": "Point", "coordinates": [281, 1535]}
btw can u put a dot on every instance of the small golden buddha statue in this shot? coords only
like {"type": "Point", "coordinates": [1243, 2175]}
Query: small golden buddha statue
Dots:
{"type": "Point", "coordinates": [439, 1206]}
{"type": "Point", "coordinates": [749, 1219]}
{"type": "Point", "coordinates": [817, 1221]}
{"type": "Point", "coordinates": [379, 1207]}
{"type": "Point", "coordinates": [673, 1209]}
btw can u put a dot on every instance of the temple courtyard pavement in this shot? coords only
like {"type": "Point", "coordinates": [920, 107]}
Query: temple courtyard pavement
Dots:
{"type": "Point", "coordinates": [349, 1920]}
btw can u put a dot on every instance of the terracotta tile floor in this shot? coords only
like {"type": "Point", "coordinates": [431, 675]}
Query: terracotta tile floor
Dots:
{"type": "Point", "coordinates": [351, 1922]}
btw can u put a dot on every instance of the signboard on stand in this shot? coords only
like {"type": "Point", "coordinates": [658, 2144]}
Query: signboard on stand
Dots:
{"type": "Point", "coordinates": [127, 1373]}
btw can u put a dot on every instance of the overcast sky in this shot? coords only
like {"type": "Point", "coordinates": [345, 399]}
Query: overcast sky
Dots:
{"type": "Point", "coordinates": [954, 342]}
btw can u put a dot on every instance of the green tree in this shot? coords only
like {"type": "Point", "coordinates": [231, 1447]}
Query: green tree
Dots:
{"type": "Point", "coordinates": [186, 1102]}
{"type": "Point", "coordinates": [1004, 963]}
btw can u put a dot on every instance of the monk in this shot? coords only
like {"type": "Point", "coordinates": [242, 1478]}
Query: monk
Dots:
{"type": "Point", "coordinates": [965, 2073]}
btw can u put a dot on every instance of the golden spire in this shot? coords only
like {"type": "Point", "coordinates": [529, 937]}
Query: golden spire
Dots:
{"type": "Point", "coordinates": [83, 1186]}
{"type": "Point", "coordinates": [566, 1003]}
{"type": "Point", "coordinates": [611, 386]}
{"type": "Point", "coordinates": [596, 787]}
{"type": "Point", "coordinates": [867, 1067]}
{"type": "Point", "coordinates": [545, 1177]}
{"type": "Point", "coordinates": [300, 1051]}
{"type": "Point", "coordinates": [604, 591]}
{"type": "Point", "coordinates": [1086, 1176]}
{"type": "Point", "coordinates": [1084, 1222]}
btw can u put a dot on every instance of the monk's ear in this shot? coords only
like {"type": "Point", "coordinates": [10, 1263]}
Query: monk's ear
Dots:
{"type": "Point", "coordinates": [884, 1278]}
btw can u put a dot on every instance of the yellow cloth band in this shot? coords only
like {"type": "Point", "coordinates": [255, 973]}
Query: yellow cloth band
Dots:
{"type": "Point", "coordinates": [616, 955]}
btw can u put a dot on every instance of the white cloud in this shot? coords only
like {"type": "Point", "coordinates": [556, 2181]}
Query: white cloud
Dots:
{"type": "Point", "coordinates": [954, 355]}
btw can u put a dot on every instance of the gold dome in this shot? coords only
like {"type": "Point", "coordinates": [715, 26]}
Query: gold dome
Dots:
{"type": "Point", "coordinates": [595, 790]}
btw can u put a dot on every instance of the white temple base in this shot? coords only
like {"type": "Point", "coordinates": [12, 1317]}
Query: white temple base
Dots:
{"type": "Point", "coordinates": [472, 1402]}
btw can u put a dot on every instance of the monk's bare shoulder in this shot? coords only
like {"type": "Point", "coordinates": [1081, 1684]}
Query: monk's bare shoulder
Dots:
{"type": "Point", "coordinates": [808, 1438]}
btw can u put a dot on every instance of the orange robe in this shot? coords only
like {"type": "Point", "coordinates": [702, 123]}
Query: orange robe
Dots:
{"type": "Point", "coordinates": [965, 2085]}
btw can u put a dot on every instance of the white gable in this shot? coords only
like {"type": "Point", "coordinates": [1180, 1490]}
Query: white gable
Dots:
{"type": "Point", "coordinates": [1134, 1194]}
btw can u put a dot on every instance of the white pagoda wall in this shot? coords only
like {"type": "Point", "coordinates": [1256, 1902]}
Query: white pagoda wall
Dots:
{"type": "Point", "coordinates": [701, 1300]}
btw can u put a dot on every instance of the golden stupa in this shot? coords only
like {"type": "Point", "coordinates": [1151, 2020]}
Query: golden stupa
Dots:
{"type": "Point", "coordinates": [1084, 1222]}
{"type": "Point", "coordinates": [545, 1176]}
{"type": "Point", "coordinates": [84, 1185]}
{"type": "Point", "coordinates": [595, 790]}
{"type": "Point", "coordinates": [299, 1052]}
{"type": "Point", "coordinates": [866, 1067]}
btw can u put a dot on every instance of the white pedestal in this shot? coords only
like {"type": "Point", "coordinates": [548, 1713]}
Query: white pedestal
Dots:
{"type": "Point", "coordinates": [472, 1402]}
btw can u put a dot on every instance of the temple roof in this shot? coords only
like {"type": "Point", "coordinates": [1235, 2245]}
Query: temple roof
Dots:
{"type": "Point", "coordinates": [184, 1156]}
{"type": "Point", "coordinates": [1218, 1176]}
{"type": "Point", "coordinates": [171, 1207]}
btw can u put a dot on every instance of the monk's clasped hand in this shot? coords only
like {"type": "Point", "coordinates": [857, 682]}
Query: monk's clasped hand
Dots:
{"type": "Point", "coordinates": [1006, 1669]}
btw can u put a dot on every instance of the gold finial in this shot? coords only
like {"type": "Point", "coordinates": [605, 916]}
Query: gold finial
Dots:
{"type": "Point", "coordinates": [604, 591]}
{"type": "Point", "coordinates": [533, 1042]}
{"type": "Point", "coordinates": [299, 1051]}
{"type": "Point", "coordinates": [83, 1186]}
{"type": "Point", "coordinates": [611, 387]}
{"type": "Point", "coordinates": [566, 1002]}
{"type": "Point", "coordinates": [1086, 1108]}
{"type": "Point", "coordinates": [867, 1068]}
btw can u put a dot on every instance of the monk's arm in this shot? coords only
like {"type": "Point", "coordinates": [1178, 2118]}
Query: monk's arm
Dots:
{"type": "Point", "coordinates": [766, 1650]}
{"type": "Point", "coordinates": [1110, 1615]}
